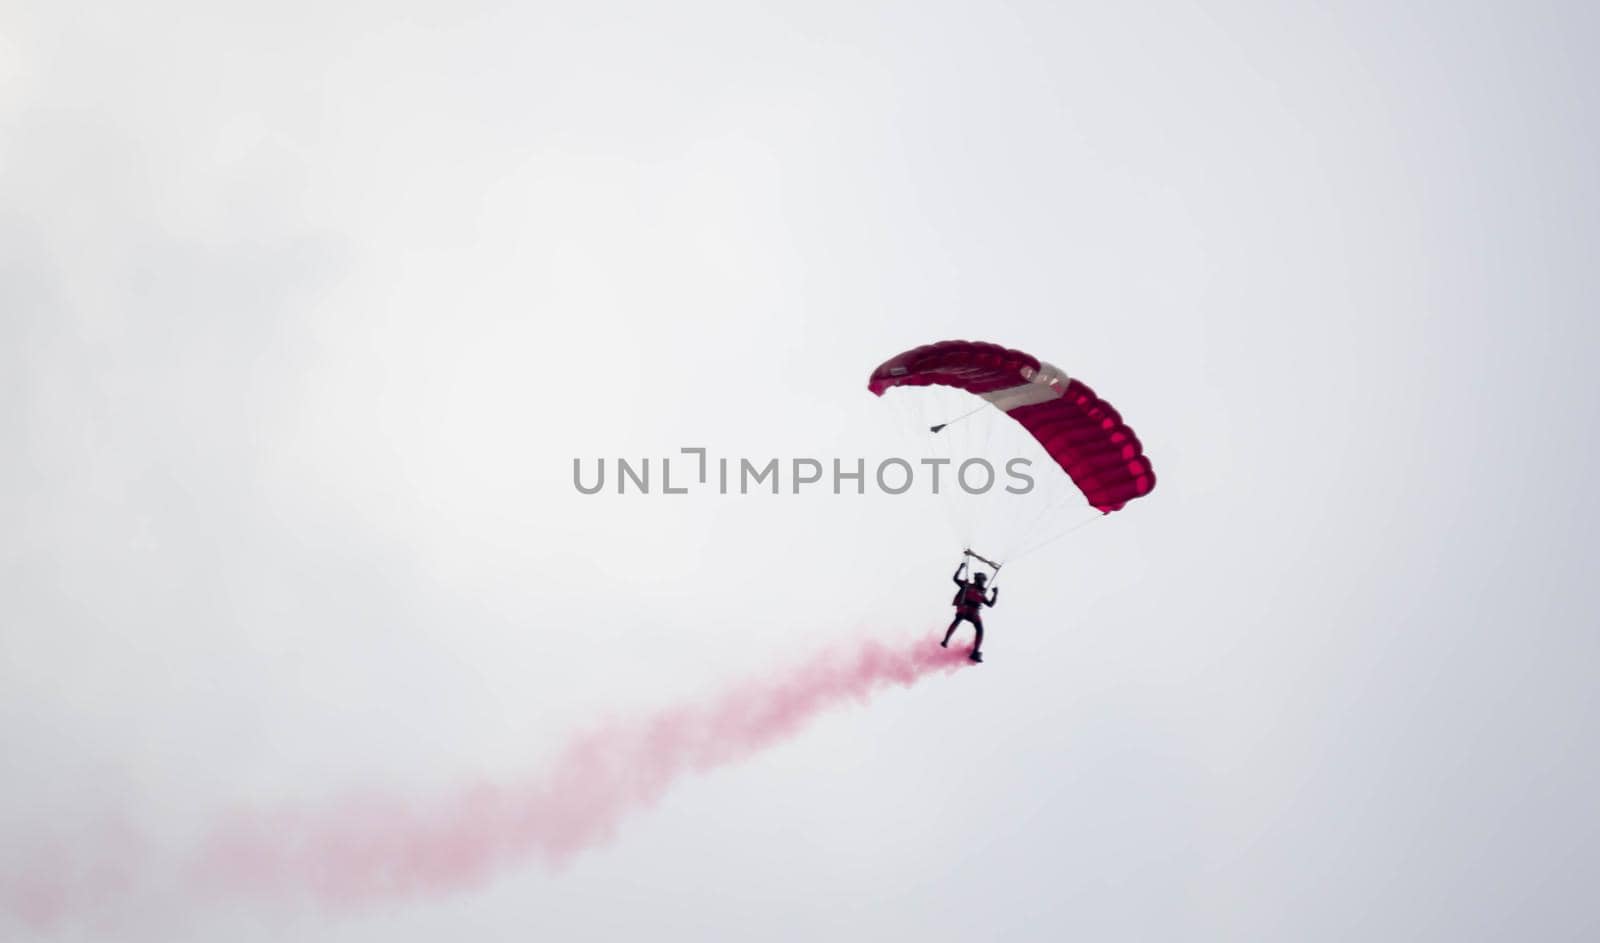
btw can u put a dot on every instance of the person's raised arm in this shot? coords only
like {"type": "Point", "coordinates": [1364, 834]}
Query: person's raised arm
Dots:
{"type": "Point", "coordinates": [994, 596]}
{"type": "Point", "coordinates": [957, 577]}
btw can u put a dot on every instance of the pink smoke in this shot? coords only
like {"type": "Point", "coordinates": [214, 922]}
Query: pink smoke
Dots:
{"type": "Point", "coordinates": [370, 848]}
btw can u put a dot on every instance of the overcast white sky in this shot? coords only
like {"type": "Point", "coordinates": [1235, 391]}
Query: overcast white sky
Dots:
{"type": "Point", "coordinates": [305, 309]}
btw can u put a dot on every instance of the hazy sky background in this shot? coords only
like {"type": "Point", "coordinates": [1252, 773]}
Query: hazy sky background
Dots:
{"type": "Point", "coordinates": [305, 310]}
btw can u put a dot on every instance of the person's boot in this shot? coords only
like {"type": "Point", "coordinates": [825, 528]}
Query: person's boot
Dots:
{"type": "Point", "coordinates": [976, 656]}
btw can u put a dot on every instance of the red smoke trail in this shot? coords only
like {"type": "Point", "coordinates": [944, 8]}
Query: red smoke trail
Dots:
{"type": "Point", "coordinates": [373, 848]}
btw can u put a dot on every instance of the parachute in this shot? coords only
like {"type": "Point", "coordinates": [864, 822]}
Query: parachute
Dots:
{"type": "Point", "coordinates": [1079, 433]}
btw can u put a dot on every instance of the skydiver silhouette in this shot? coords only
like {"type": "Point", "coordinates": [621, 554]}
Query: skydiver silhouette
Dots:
{"type": "Point", "coordinates": [969, 602]}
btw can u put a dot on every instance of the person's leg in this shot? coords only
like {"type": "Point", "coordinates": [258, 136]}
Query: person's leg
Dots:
{"type": "Point", "coordinates": [977, 645]}
{"type": "Point", "coordinates": [950, 631]}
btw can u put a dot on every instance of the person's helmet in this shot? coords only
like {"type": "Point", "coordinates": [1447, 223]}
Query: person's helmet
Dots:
{"type": "Point", "coordinates": [980, 578]}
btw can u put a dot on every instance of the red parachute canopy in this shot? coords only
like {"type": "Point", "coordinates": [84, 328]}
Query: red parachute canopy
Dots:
{"type": "Point", "coordinates": [1081, 431]}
